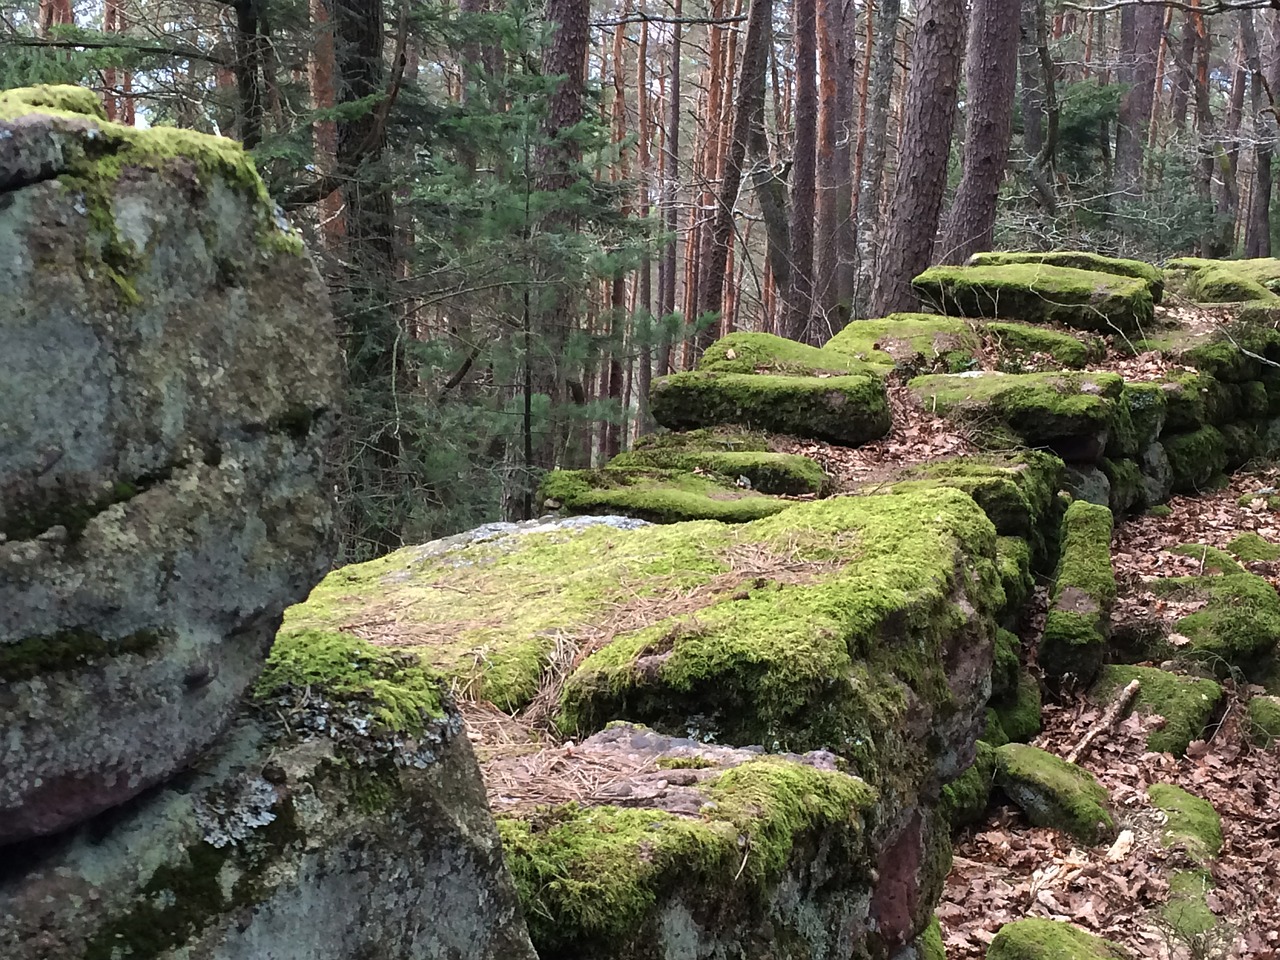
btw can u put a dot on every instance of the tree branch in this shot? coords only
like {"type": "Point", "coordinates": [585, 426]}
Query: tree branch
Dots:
{"type": "Point", "coordinates": [191, 53]}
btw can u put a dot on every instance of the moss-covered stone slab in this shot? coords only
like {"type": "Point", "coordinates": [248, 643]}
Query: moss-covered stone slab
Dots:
{"type": "Point", "coordinates": [783, 474]}
{"type": "Point", "coordinates": [1019, 710]}
{"type": "Point", "coordinates": [167, 384]}
{"type": "Point", "coordinates": [842, 653]}
{"type": "Point", "coordinates": [1195, 459]}
{"type": "Point", "coordinates": [846, 410]}
{"type": "Point", "coordinates": [1263, 716]}
{"type": "Point", "coordinates": [964, 801]}
{"type": "Point", "coordinates": [659, 496]}
{"type": "Point", "coordinates": [1074, 642]}
{"type": "Point", "coordinates": [1054, 793]}
{"type": "Point", "coordinates": [1036, 939]}
{"type": "Point", "coordinates": [1187, 704]}
{"type": "Point", "coordinates": [1227, 281]}
{"type": "Point", "coordinates": [766, 353]}
{"type": "Point", "coordinates": [342, 815]}
{"type": "Point", "coordinates": [1039, 293]}
{"type": "Point", "coordinates": [1070, 413]}
{"type": "Point", "coordinates": [1016, 344]}
{"type": "Point", "coordinates": [1128, 491]}
{"type": "Point", "coordinates": [1147, 404]}
{"type": "Point", "coordinates": [917, 341]}
{"type": "Point", "coordinates": [721, 439]}
{"type": "Point", "coordinates": [1192, 826]}
{"type": "Point", "coordinates": [1079, 260]}
{"type": "Point", "coordinates": [1237, 625]}
{"type": "Point", "coordinates": [695, 844]}
{"type": "Point", "coordinates": [1249, 547]}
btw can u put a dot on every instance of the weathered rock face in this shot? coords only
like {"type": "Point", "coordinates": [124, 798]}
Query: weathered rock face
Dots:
{"type": "Point", "coordinates": [167, 372]}
{"type": "Point", "coordinates": [329, 823]}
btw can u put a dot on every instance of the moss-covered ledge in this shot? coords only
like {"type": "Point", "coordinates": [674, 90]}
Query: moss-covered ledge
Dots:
{"type": "Point", "coordinates": [1077, 627]}
{"type": "Point", "coordinates": [657, 495]}
{"type": "Point", "coordinates": [785, 474]}
{"type": "Point", "coordinates": [1186, 703]}
{"type": "Point", "coordinates": [1080, 260]}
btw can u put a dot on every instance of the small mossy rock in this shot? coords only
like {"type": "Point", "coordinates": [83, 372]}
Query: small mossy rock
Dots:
{"type": "Point", "coordinates": [1187, 912]}
{"type": "Point", "coordinates": [847, 410]}
{"type": "Point", "coordinates": [1128, 492]}
{"type": "Point", "coordinates": [1079, 260]}
{"type": "Point", "coordinates": [767, 353]}
{"type": "Point", "coordinates": [1004, 674]}
{"type": "Point", "coordinates": [1263, 715]}
{"type": "Point", "coordinates": [1013, 556]}
{"type": "Point", "coordinates": [1070, 413]}
{"type": "Point", "coordinates": [1195, 459]}
{"type": "Point", "coordinates": [885, 625]}
{"type": "Point", "coordinates": [785, 474]}
{"type": "Point", "coordinates": [167, 385]}
{"type": "Point", "coordinates": [659, 496]}
{"type": "Point", "coordinates": [323, 835]}
{"type": "Point", "coordinates": [1186, 703]}
{"type": "Point", "coordinates": [916, 341]}
{"type": "Point", "coordinates": [1088, 483]}
{"type": "Point", "coordinates": [1019, 711]}
{"type": "Point", "coordinates": [1211, 559]}
{"type": "Point", "coordinates": [1054, 793]}
{"type": "Point", "coordinates": [1036, 939]}
{"type": "Point", "coordinates": [1147, 404]}
{"type": "Point", "coordinates": [1193, 826]}
{"type": "Point", "coordinates": [1077, 626]}
{"type": "Point", "coordinates": [723, 439]}
{"type": "Point", "coordinates": [1251, 548]}
{"type": "Point", "coordinates": [1039, 293]}
{"type": "Point", "coordinates": [667, 868]}
{"type": "Point", "coordinates": [1015, 343]}
{"type": "Point", "coordinates": [964, 800]}
{"type": "Point", "coordinates": [1236, 628]}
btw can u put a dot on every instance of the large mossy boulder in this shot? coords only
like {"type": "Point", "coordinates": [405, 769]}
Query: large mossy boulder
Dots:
{"type": "Point", "coordinates": [1192, 825]}
{"type": "Point", "coordinates": [1019, 345]}
{"type": "Point", "coordinates": [1079, 260]}
{"type": "Point", "coordinates": [342, 815]}
{"type": "Point", "coordinates": [916, 341]}
{"type": "Point", "coordinates": [1186, 704]}
{"type": "Point", "coordinates": [767, 353]}
{"type": "Point", "coordinates": [1262, 714]}
{"type": "Point", "coordinates": [849, 410]}
{"type": "Point", "coordinates": [1054, 793]}
{"type": "Point", "coordinates": [1228, 281]}
{"type": "Point", "coordinates": [694, 847]}
{"type": "Point", "coordinates": [656, 495]}
{"type": "Point", "coordinates": [1076, 629]}
{"type": "Point", "coordinates": [1072, 414]}
{"type": "Point", "coordinates": [1039, 293]}
{"type": "Point", "coordinates": [167, 382]}
{"type": "Point", "coordinates": [1037, 939]}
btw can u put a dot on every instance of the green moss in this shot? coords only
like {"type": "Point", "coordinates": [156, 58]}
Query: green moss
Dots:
{"type": "Point", "coordinates": [1013, 555]}
{"type": "Point", "coordinates": [1211, 559]}
{"type": "Point", "coordinates": [831, 662]}
{"type": "Point", "coordinates": [660, 496]}
{"type": "Point", "coordinates": [394, 686]}
{"type": "Point", "coordinates": [65, 650]}
{"type": "Point", "coordinates": [1193, 825]}
{"type": "Point", "coordinates": [1067, 412]}
{"type": "Point", "coordinates": [1235, 628]}
{"type": "Point", "coordinates": [1241, 444]}
{"type": "Point", "coordinates": [1250, 548]}
{"type": "Point", "coordinates": [1004, 673]}
{"type": "Point", "coordinates": [58, 101]}
{"type": "Point", "coordinates": [769, 354]}
{"type": "Point", "coordinates": [1160, 510]}
{"type": "Point", "coordinates": [1127, 488]}
{"type": "Point", "coordinates": [684, 763]}
{"type": "Point", "coordinates": [1054, 793]}
{"type": "Point", "coordinates": [1267, 501]}
{"type": "Point", "coordinates": [1039, 293]}
{"type": "Point", "coordinates": [1195, 458]}
{"type": "Point", "coordinates": [594, 876]}
{"type": "Point", "coordinates": [725, 439]}
{"type": "Point", "coordinates": [929, 945]}
{"type": "Point", "coordinates": [1036, 939]}
{"type": "Point", "coordinates": [1019, 711]}
{"type": "Point", "coordinates": [1075, 632]}
{"type": "Point", "coordinates": [992, 731]}
{"type": "Point", "coordinates": [1080, 260]}
{"type": "Point", "coordinates": [1187, 910]}
{"type": "Point", "coordinates": [1186, 703]}
{"type": "Point", "coordinates": [964, 801]}
{"type": "Point", "coordinates": [1147, 404]}
{"type": "Point", "coordinates": [73, 515]}
{"type": "Point", "coordinates": [916, 341]}
{"type": "Point", "coordinates": [1263, 715]}
{"type": "Point", "coordinates": [773, 473]}
{"type": "Point", "coordinates": [1014, 339]}
{"type": "Point", "coordinates": [1232, 281]}
{"type": "Point", "coordinates": [848, 410]}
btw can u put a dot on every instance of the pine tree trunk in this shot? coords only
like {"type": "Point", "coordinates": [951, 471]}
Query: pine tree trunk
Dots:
{"type": "Point", "coordinates": [929, 116]}
{"type": "Point", "coordinates": [990, 79]}
{"type": "Point", "coordinates": [871, 184]}
{"type": "Point", "coordinates": [1186, 72]}
{"type": "Point", "coordinates": [1257, 233]}
{"type": "Point", "coordinates": [835, 63]}
{"type": "Point", "coordinates": [1140, 41]}
{"type": "Point", "coordinates": [670, 193]}
{"type": "Point", "coordinates": [1032, 93]}
{"type": "Point", "coordinates": [800, 304]}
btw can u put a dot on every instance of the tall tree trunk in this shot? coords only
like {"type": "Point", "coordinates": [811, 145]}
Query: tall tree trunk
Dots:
{"type": "Point", "coordinates": [1257, 233]}
{"type": "Point", "coordinates": [1029, 64]}
{"type": "Point", "coordinates": [1186, 71]}
{"type": "Point", "coordinates": [929, 113]}
{"type": "Point", "coordinates": [870, 186]}
{"type": "Point", "coordinates": [644, 357]}
{"type": "Point", "coordinates": [670, 192]}
{"type": "Point", "coordinates": [321, 68]}
{"type": "Point", "coordinates": [751, 85]}
{"type": "Point", "coordinates": [835, 63]}
{"type": "Point", "coordinates": [54, 13]}
{"type": "Point", "coordinates": [118, 101]}
{"type": "Point", "coordinates": [990, 79]}
{"type": "Point", "coordinates": [1140, 29]}
{"type": "Point", "coordinates": [800, 305]}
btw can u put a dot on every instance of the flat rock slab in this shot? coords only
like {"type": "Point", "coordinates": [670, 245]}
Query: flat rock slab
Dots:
{"type": "Point", "coordinates": [1079, 260]}
{"type": "Point", "coordinates": [1055, 793]}
{"type": "Point", "coordinates": [341, 815]}
{"type": "Point", "coordinates": [166, 381]}
{"type": "Point", "coordinates": [657, 495]}
{"type": "Point", "coordinates": [1039, 293]}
